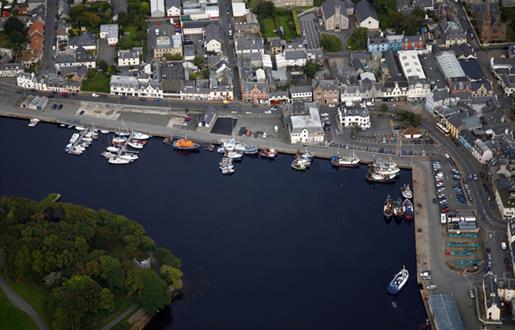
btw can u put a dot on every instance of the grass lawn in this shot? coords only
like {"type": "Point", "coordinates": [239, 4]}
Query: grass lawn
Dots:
{"type": "Point", "coordinates": [286, 22]}
{"type": "Point", "coordinates": [129, 38]}
{"type": "Point", "coordinates": [98, 82]}
{"type": "Point", "coordinates": [13, 318]}
{"type": "Point", "coordinates": [268, 27]}
{"type": "Point", "coordinates": [34, 295]}
{"type": "Point", "coordinates": [4, 41]}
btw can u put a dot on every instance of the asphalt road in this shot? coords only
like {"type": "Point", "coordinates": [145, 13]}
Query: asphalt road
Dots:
{"type": "Point", "coordinates": [50, 25]}
{"type": "Point", "coordinates": [226, 22]}
{"type": "Point", "coordinates": [19, 302]}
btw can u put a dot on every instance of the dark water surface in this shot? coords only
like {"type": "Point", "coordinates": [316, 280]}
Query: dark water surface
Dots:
{"type": "Point", "coordinates": [267, 248]}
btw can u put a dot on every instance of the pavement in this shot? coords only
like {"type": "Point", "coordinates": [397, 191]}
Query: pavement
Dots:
{"type": "Point", "coordinates": [226, 22]}
{"type": "Point", "coordinates": [50, 41]}
{"type": "Point", "coordinates": [310, 30]}
{"type": "Point", "coordinates": [20, 303]}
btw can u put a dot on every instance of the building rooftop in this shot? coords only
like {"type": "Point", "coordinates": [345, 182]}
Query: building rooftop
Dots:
{"type": "Point", "coordinates": [445, 312]}
{"type": "Point", "coordinates": [310, 121]}
{"type": "Point", "coordinates": [410, 64]}
{"type": "Point", "coordinates": [449, 65]}
{"type": "Point", "coordinates": [364, 10]}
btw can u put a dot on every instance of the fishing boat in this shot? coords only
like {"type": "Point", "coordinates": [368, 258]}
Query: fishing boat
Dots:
{"type": "Point", "coordinates": [397, 209]}
{"type": "Point", "coordinates": [118, 161]}
{"type": "Point", "coordinates": [388, 207]}
{"type": "Point", "coordinates": [390, 168]}
{"type": "Point", "coordinates": [228, 144]}
{"type": "Point", "coordinates": [300, 164]}
{"type": "Point", "coordinates": [398, 281]}
{"type": "Point", "coordinates": [119, 140]}
{"type": "Point", "coordinates": [239, 147]}
{"type": "Point", "coordinates": [268, 153]}
{"type": "Point", "coordinates": [220, 150]}
{"type": "Point", "coordinates": [307, 155]}
{"type": "Point", "coordinates": [340, 161]}
{"type": "Point", "coordinates": [407, 208]}
{"type": "Point", "coordinates": [234, 154]}
{"type": "Point", "coordinates": [375, 177]}
{"type": "Point", "coordinates": [225, 161]}
{"type": "Point", "coordinates": [406, 191]}
{"type": "Point", "coordinates": [251, 150]}
{"type": "Point", "coordinates": [33, 122]}
{"type": "Point", "coordinates": [74, 137]}
{"type": "Point", "coordinates": [227, 170]}
{"type": "Point", "coordinates": [185, 144]}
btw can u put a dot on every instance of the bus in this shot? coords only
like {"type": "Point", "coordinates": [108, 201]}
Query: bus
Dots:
{"type": "Point", "coordinates": [442, 128]}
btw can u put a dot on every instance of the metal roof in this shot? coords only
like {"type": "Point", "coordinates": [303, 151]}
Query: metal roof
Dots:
{"type": "Point", "coordinates": [445, 312]}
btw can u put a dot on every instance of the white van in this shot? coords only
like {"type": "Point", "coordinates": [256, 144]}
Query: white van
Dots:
{"type": "Point", "coordinates": [504, 246]}
{"type": "Point", "coordinates": [443, 218]}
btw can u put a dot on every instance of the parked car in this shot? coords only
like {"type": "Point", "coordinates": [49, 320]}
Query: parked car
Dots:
{"type": "Point", "coordinates": [472, 293]}
{"type": "Point", "coordinates": [432, 287]}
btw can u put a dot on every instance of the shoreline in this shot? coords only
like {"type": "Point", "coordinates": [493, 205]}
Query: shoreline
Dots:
{"type": "Point", "coordinates": [421, 188]}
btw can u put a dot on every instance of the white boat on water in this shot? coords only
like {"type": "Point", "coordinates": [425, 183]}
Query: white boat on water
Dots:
{"type": "Point", "coordinates": [108, 155]}
{"type": "Point", "coordinates": [118, 161]}
{"type": "Point", "coordinates": [104, 131]}
{"type": "Point", "coordinates": [406, 191]}
{"type": "Point", "coordinates": [140, 136]}
{"type": "Point", "coordinates": [113, 149]}
{"type": "Point", "coordinates": [120, 133]}
{"type": "Point", "coordinates": [79, 128]}
{"type": "Point", "coordinates": [234, 154]}
{"type": "Point", "coordinates": [220, 150]}
{"type": "Point", "coordinates": [87, 139]}
{"type": "Point", "coordinates": [74, 137]}
{"type": "Point", "coordinates": [136, 145]}
{"type": "Point", "coordinates": [33, 122]}
{"type": "Point", "coordinates": [118, 139]}
{"type": "Point", "coordinates": [129, 156]}
{"type": "Point", "coordinates": [76, 151]}
{"type": "Point", "coordinates": [239, 147]}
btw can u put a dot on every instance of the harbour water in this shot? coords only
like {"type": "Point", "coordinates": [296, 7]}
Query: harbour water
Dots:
{"type": "Point", "coordinates": [265, 248]}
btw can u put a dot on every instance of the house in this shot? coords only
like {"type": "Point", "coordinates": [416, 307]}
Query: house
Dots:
{"type": "Point", "coordinates": [335, 14]}
{"type": "Point", "coordinates": [110, 33]}
{"type": "Point", "coordinates": [304, 123]}
{"type": "Point", "coordinates": [504, 191]}
{"type": "Point", "coordinates": [248, 45]}
{"type": "Point", "coordinates": [10, 70]}
{"type": "Point", "coordinates": [326, 92]}
{"type": "Point", "coordinates": [295, 57]}
{"type": "Point", "coordinates": [171, 88]}
{"type": "Point", "coordinates": [173, 8]}
{"type": "Point", "coordinates": [75, 58]}
{"type": "Point", "coordinates": [196, 93]}
{"type": "Point", "coordinates": [255, 92]}
{"type": "Point", "coordinates": [412, 133]}
{"type": "Point", "coordinates": [415, 42]}
{"type": "Point", "coordinates": [157, 8]}
{"type": "Point", "coordinates": [130, 57]}
{"type": "Point", "coordinates": [194, 27]}
{"type": "Point", "coordinates": [425, 5]}
{"type": "Point", "coordinates": [366, 15]}
{"type": "Point", "coordinates": [293, 3]}
{"type": "Point", "coordinates": [47, 84]}
{"type": "Point", "coordinates": [482, 152]}
{"type": "Point", "coordinates": [395, 89]}
{"type": "Point", "coordinates": [410, 64]}
{"type": "Point", "coordinates": [168, 46]}
{"type": "Point", "coordinates": [418, 88]}
{"type": "Point", "coordinates": [354, 117]}
{"type": "Point", "coordinates": [492, 304]}
{"type": "Point", "coordinates": [85, 40]}
{"type": "Point", "coordinates": [301, 93]}
{"type": "Point", "coordinates": [452, 34]}
{"type": "Point", "coordinates": [213, 38]}
{"type": "Point", "coordinates": [279, 97]}
{"type": "Point", "coordinates": [61, 34]}
{"type": "Point", "coordinates": [239, 9]}
{"type": "Point", "coordinates": [36, 35]}
{"type": "Point", "coordinates": [275, 45]}
{"type": "Point", "coordinates": [504, 71]}
{"type": "Point", "coordinates": [132, 86]}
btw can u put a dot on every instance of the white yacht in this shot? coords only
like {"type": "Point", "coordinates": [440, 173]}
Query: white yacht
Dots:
{"type": "Point", "coordinates": [118, 161]}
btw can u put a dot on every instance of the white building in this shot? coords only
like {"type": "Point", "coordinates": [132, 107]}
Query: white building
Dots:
{"type": "Point", "coordinates": [295, 57]}
{"type": "Point", "coordinates": [239, 9]}
{"type": "Point", "coordinates": [132, 86]}
{"type": "Point", "coordinates": [157, 8]}
{"type": "Point", "coordinates": [354, 117]}
{"type": "Point", "coordinates": [212, 38]}
{"type": "Point", "coordinates": [9, 70]}
{"type": "Point", "coordinates": [307, 128]}
{"type": "Point", "coordinates": [30, 81]}
{"type": "Point", "coordinates": [504, 198]}
{"type": "Point", "coordinates": [482, 152]}
{"type": "Point", "coordinates": [130, 57]}
{"type": "Point", "coordinates": [366, 15]}
{"type": "Point", "coordinates": [410, 64]}
{"type": "Point", "coordinates": [109, 32]}
{"type": "Point", "coordinates": [173, 8]}
{"type": "Point", "coordinates": [301, 93]}
{"type": "Point", "coordinates": [418, 89]}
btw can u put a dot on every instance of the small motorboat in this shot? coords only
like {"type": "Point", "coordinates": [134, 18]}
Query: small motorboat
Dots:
{"type": "Point", "coordinates": [407, 208]}
{"type": "Point", "coordinates": [118, 140]}
{"type": "Point", "coordinates": [397, 209]}
{"type": "Point", "coordinates": [406, 191]}
{"type": "Point", "coordinates": [33, 122]}
{"type": "Point", "coordinates": [113, 149]}
{"type": "Point", "coordinates": [80, 128]}
{"type": "Point", "coordinates": [108, 155]}
{"type": "Point", "coordinates": [234, 155]}
{"type": "Point", "coordinates": [251, 150]}
{"type": "Point", "coordinates": [118, 161]}
{"type": "Point", "coordinates": [300, 164]}
{"type": "Point", "coordinates": [185, 144]}
{"type": "Point", "coordinates": [398, 282]}
{"type": "Point", "coordinates": [227, 170]}
{"type": "Point", "coordinates": [140, 136]}
{"type": "Point", "coordinates": [220, 150]}
{"type": "Point", "coordinates": [136, 145]}
{"type": "Point", "coordinates": [129, 156]}
{"type": "Point", "coordinates": [388, 208]}
{"type": "Point", "coordinates": [268, 153]}
{"type": "Point", "coordinates": [74, 137]}
{"type": "Point", "coordinates": [104, 131]}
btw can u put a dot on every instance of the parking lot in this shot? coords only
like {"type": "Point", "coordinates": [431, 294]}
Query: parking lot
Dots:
{"type": "Point", "coordinates": [310, 31]}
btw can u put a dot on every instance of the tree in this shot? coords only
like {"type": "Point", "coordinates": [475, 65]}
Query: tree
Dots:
{"type": "Point", "coordinates": [172, 276]}
{"type": "Point", "coordinates": [358, 39]}
{"type": "Point", "coordinates": [310, 69]}
{"type": "Point", "coordinates": [106, 299]}
{"type": "Point", "coordinates": [112, 273]}
{"type": "Point", "coordinates": [330, 43]}
{"type": "Point", "coordinates": [75, 303]}
{"type": "Point", "coordinates": [153, 294]}
{"type": "Point", "coordinates": [265, 9]}
{"type": "Point", "coordinates": [15, 31]}
{"type": "Point", "coordinates": [198, 60]}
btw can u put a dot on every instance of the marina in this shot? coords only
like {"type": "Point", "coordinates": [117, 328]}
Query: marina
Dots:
{"type": "Point", "coordinates": [220, 246]}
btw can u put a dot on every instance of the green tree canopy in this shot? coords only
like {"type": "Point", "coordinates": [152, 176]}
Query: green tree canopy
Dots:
{"type": "Point", "coordinates": [265, 9]}
{"type": "Point", "coordinates": [153, 291]}
{"type": "Point", "coordinates": [358, 39]}
{"type": "Point", "coordinates": [310, 69]}
{"type": "Point", "coordinates": [330, 43]}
